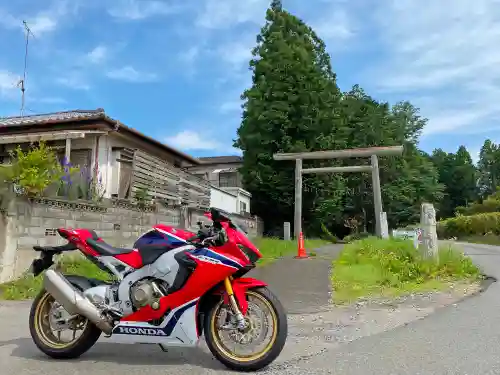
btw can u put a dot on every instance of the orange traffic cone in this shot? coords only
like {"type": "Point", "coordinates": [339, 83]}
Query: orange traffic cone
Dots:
{"type": "Point", "coordinates": [301, 254]}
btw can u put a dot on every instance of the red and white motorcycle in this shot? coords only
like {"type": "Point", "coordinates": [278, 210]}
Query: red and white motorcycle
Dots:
{"type": "Point", "coordinates": [171, 288]}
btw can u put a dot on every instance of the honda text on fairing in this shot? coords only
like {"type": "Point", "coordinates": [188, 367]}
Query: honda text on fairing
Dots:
{"type": "Point", "coordinates": [169, 289]}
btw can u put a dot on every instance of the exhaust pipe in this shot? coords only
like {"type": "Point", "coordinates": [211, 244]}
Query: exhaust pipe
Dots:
{"type": "Point", "coordinates": [73, 300]}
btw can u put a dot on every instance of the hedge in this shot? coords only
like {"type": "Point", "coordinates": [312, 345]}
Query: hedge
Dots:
{"type": "Point", "coordinates": [462, 226]}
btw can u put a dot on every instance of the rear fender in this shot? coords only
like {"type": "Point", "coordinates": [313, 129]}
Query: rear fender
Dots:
{"type": "Point", "coordinates": [240, 286]}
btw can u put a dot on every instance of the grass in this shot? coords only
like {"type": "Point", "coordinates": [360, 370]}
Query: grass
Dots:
{"type": "Point", "coordinates": [378, 267]}
{"type": "Point", "coordinates": [27, 287]}
{"type": "Point", "coordinates": [274, 248]}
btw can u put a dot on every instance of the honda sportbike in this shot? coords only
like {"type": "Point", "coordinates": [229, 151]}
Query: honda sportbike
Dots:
{"type": "Point", "coordinates": [169, 289]}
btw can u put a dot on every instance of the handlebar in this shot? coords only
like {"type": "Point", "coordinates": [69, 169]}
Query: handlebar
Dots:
{"type": "Point", "coordinates": [207, 235]}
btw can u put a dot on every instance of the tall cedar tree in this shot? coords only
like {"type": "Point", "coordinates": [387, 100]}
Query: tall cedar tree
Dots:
{"type": "Point", "coordinates": [405, 181]}
{"type": "Point", "coordinates": [292, 106]}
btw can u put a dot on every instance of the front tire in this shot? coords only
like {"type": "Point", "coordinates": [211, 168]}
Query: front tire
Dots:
{"type": "Point", "coordinates": [45, 339]}
{"type": "Point", "coordinates": [256, 360]}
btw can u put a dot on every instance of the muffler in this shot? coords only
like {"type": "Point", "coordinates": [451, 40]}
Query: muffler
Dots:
{"type": "Point", "coordinates": [73, 300]}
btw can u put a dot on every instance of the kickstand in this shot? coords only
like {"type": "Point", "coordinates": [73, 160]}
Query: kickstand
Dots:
{"type": "Point", "coordinates": [163, 348]}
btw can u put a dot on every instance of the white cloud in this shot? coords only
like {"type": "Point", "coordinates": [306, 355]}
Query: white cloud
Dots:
{"type": "Point", "coordinates": [98, 54]}
{"type": "Point", "coordinates": [221, 14]}
{"type": "Point", "coordinates": [73, 80]}
{"type": "Point", "coordinates": [448, 48]}
{"type": "Point", "coordinates": [8, 84]}
{"type": "Point", "coordinates": [334, 26]}
{"type": "Point", "coordinates": [192, 140]}
{"type": "Point", "coordinates": [130, 74]}
{"type": "Point", "coordinates": [42, 22]}
{"type": "Point", "coordinates": [237, 54]}
{"type": "Point", "coordinates": [141, 9]}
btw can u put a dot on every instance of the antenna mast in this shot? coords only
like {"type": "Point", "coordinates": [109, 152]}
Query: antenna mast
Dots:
{"type": "Point", "coordinates": [22, 82]}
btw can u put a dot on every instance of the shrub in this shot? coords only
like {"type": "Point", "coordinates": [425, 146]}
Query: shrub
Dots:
{"type": "Point", "coordinates": [463, 226]}
{"type": "Point", "coordinates": [33, 171]}
{"type": "Point", "coordinates": [327, 235]}
{"type": "Point", "coordinates": [356, 236]}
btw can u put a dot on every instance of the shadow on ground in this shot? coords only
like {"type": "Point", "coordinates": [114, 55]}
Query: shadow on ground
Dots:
{"type": "Point", "coordinates": [124, 354]}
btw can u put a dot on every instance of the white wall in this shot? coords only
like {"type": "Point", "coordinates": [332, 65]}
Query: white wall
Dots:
{"type": "Point", "coordinates": [223, 200]}
{"type": "Point", "coordinates": [243, 198]}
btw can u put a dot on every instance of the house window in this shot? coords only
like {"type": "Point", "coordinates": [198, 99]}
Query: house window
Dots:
{"type": "Point", "coordinates": [243, 207]}
{"type": "Point", "coordinates": [228, 179]}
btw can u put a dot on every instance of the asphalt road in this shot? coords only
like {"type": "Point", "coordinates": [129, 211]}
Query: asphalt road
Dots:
{"type": "Point", "coordinates": [461, 339]}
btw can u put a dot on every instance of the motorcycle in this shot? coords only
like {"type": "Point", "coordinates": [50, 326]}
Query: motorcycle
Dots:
{"type": "Point", "coordinates": [171, 288]}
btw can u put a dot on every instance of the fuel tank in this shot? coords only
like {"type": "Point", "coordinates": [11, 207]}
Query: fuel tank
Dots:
{"type": "Point", "coordinates": [164, 236]}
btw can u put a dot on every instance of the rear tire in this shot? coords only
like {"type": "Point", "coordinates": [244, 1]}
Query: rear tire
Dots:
{"type": "Point", "coordinates": [47, 344]}
{"type": "Point", "coordinates": [257, 361]}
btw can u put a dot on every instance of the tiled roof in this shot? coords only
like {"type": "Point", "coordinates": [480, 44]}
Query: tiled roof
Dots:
{"type": "Point", "coordinates": [52, 117]}
{"type": "Point", "coordinates": [221, 159]}
{"type": "Point", "coordinates": [82, 115]}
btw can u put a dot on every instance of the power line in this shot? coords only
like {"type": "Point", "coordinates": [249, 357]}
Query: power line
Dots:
{"type": "Point", "coordinates": [22, 82]}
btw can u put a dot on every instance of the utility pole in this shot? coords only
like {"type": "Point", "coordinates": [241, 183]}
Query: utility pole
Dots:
{"type": "Point", "coordinates": [22, 82]}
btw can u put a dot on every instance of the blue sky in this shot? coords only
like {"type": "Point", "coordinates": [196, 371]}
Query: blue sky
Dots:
{"type": "Point", "coordinates": [175, 69]}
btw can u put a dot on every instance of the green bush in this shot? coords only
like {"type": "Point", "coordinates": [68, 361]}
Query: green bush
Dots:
{"type": "Point", "coordinates": [463, 226]}
{"type": "Point", "coordinates": [488, 205]}
{"type": "Point", "coordinates": [356, 237]}
{"type": "Point", "coordinates": [327, 235]}
{"type": "Point", "coordinates": [373, 266]}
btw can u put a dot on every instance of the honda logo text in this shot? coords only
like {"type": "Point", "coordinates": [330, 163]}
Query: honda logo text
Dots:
{"type": "Point", "coordinates": [141, 331]}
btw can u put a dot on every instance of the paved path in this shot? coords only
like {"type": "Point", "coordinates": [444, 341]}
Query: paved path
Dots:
{"type": "Point", "coordinates": [301, 284]}
{"type": "Point", "coordinates": [461, 339]}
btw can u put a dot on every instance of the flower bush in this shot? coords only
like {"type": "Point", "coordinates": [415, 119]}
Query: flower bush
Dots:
{"type": "Point", "coordinates": [32, 171]}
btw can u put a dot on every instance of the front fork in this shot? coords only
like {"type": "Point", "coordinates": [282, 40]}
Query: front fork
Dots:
{"type": "Point", "coordinates": [240, 319]}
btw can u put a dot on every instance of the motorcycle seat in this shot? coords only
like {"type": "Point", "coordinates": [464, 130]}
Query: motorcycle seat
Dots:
{"type": "Point", "coordinates": [105, 249]}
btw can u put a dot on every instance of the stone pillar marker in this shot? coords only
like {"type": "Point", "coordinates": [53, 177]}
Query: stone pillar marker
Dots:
{"type": "Point", "coordinates": [384, 228]}
{"type": "Point", "coordinates": [286, 231]}
{"type": "Point", "coordinates": [429, 233]}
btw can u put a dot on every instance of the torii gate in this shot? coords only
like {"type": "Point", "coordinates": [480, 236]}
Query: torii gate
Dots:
{"type": "Point", "coordinates": [372, 152]}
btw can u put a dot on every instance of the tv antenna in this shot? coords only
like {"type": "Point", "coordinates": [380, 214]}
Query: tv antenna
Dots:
{"type": "Point", "coordinates": [22, 82]}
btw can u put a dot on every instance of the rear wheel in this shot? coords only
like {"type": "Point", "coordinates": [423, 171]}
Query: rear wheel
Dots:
{"type": "Point", "coordinates": [56, 333]}
{"type": "Point", "coordinates": [258, 345]}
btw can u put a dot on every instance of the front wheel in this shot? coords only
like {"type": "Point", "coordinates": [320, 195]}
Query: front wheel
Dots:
{"type": "Point", "coordinates": [259, 344]}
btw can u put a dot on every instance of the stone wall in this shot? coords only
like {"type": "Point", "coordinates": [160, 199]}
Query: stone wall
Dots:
{"type": "Point", "coordinates": [28, 223]}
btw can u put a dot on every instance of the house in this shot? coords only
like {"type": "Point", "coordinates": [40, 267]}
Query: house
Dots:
{"type": "Point", "coordinates": [223, 172]}
{"type": "Point", "coordinates": [123, 159]}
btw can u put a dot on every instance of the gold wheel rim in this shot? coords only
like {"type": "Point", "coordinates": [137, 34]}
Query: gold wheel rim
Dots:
{"type": "Point", "coordinates": [221, 347]}
{"type": "Point", "coordinates": [43, 329]}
